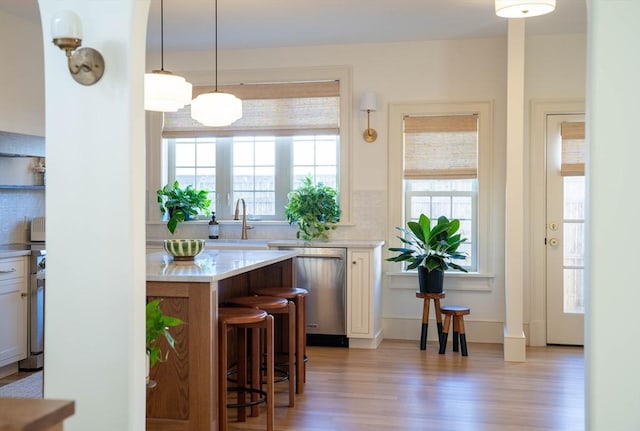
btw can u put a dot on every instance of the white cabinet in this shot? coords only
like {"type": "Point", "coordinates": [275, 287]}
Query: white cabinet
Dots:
{"type": "Point", "coordinates": [13, 309]}
{"type": "Point", "coordinates": [364, 291]}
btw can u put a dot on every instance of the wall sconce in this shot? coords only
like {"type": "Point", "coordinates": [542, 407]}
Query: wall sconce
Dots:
{"type": "Point", "coordinates": [368, 104]}
{"type": "Point", "coordinates": [86, 65]}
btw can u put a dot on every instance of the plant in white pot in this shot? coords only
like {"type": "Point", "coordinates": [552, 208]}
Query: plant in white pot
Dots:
{"type": "Point", "coordinates": [315, 208]}
{"type": "Point", "coordinates": [430, 250]}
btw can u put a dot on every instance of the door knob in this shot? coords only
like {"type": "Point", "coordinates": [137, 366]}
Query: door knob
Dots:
{"type": "Point", "coordinates": [553, 241]}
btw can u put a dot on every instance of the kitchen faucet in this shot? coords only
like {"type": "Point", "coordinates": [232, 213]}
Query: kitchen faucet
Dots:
{"type": "Point", "coordinates": [244, 218]}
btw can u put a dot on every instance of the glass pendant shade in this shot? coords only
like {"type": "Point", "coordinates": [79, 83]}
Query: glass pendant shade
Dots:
{"type": "Point", "coordinates": [523, 8]}
{"type": "Point", "coordinates": [216, 109]}
{"type": "Point", "coordinates": [165, 92]}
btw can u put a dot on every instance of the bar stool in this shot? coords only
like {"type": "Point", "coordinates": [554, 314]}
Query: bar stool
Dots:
{"type": "Point", "coordinates": [436, 297]}
{"type": "Point", "coordinates": [298, 296]}
{"type": "Point", "coordinates": [244, 319]}
{"type": "Point", "coordinates": [275, 305]}
{"type": "Point", "coordinates": [458, 313]}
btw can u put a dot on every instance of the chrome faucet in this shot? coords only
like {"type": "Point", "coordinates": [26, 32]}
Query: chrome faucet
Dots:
{"type": "Point", "coordinates": [245, 227]}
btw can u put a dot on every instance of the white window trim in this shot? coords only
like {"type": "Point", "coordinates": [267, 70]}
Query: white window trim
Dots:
{"type": "Point", "coordinates": [397, 112]}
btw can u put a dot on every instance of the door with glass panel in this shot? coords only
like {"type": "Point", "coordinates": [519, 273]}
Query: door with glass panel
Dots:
{"type": "Point", "coordinates": [565, 234]}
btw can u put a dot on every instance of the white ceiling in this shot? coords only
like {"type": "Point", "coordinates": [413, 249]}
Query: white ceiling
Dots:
{"type": "Point", "coordinates": [277, 23]}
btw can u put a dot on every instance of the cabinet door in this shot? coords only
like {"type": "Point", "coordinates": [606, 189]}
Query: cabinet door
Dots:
{"type": "Point", "coordinates": [13, 321]}
{"type": "Point", "coordinates": [359, 316]}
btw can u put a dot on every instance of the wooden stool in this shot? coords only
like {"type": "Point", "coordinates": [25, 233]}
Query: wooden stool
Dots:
{"type": "Point", "coordinates": [276, 305]}
{"type": "Point", "coordinates": [436, 297]}
{"type": "Point", "coordinates": [458, 313]}
{"type": "Point", "coordinates": [297, 295]}
{"type": "Point", "coordinates": [245, 319]}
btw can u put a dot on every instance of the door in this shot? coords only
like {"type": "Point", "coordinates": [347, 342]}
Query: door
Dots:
{"type": "Point", "coordinates": [565, 234]}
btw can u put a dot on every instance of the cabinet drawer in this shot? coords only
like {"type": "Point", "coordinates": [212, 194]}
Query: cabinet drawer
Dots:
{"type": "Point", "coordinates": [12, 268]}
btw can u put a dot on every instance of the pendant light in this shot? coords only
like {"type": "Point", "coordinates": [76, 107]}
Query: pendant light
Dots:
{"type": "Point", "coordinates": [524, 8]}
{"type": "Point", "coordinates": [216, 109]}
{"type": "Point", "coordinates": [164, 91]}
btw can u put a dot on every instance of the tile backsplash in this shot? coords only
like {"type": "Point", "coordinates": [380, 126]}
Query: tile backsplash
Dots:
{"type": "Point", "coordinates": [17, 208]}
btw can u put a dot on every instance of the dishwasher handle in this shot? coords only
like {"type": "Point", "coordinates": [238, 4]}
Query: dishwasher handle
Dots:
{"type": "Point", "coordinates": [320, 256]}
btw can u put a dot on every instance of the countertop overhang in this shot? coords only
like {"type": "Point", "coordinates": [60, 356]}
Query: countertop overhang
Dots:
{"type": "Point", "coordinates": [211, 265]}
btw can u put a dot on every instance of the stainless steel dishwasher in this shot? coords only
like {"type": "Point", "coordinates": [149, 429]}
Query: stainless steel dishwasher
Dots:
{"type": "Point", "coordinates": [322, 271]}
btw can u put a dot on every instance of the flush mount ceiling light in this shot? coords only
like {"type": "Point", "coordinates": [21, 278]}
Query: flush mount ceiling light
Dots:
{"type": "Point", "coordinates": [86, 65]}
{"type": "Point", "coordinates": [164, 91]}
{"type": "Point", "coordinates": [524, 8]}
{"type": "Point", "coordinates": [216, 109]}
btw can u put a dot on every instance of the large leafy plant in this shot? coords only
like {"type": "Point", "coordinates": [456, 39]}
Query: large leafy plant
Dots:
{"type": "Point", "coordinates": [433, 248]}
{"type": "Point", "coordinates": [158, 325]}
{"type": "Point", "coordinates": [181, 203]}
{"type": "Point", "coordinates": [315, 208]}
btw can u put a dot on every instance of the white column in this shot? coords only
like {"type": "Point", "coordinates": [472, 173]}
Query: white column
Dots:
{"type": "Point", "coordinates": [613, 292]}
{"type": "Point", "coordinates": [95, 139]}
{"type": "Point", "coordinates": [514, 340]}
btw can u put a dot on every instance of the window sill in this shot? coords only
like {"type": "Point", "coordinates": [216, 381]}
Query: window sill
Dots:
{"type": "Point", "coordinates": [459, 281]}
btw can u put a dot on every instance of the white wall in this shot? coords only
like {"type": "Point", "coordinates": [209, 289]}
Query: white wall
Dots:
{"type": "Point", "coordinates": [21, 77]}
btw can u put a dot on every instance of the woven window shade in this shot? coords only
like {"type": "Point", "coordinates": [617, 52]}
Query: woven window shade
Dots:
{"type": "Point", "coordinates": [573, 148]}
{"type": "Point", "coordinates": [440, 147]}
{"type": "Point", "coordinates": [268, 109]}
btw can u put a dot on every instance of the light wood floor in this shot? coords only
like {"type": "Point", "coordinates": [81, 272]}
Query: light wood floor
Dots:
{"type": "Point", "coordinates": [399, 387]}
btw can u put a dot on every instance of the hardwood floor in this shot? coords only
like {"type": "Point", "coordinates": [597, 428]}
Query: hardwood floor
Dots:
{"type": "Point", "coordinates": [399, 387]}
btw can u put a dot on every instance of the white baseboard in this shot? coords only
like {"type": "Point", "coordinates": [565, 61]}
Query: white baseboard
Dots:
{"type": "Point", "coordinates": [515, 348]}
{"type": "Point", "coordinates": [7, 370]}
{"type": "Point", "coordinates": [409, 329]}
{"type": "Point", "coordinates": [366, 343]}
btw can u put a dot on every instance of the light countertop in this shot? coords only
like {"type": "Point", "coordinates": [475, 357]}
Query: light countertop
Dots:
{"type": "Point", "coordinates": [264, 244]}
{"type": "Point", "coordinates": [211, 265]}
{"type": "Point", "coordinates": [14, 250]}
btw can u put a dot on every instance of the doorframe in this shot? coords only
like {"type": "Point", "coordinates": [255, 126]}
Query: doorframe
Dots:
{"type": "Point", "coordinates": [536, 277]}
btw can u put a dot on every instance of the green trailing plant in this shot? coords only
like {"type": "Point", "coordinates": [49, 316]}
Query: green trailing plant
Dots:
{"type": "Point", "coordinates": [315, 208]}
{"type": "Point", "coordinates": [181, 203]}
{"type": "Point", "coordinates": [434, 248]}
{"type": "Point", "coordinates": [158, 325]}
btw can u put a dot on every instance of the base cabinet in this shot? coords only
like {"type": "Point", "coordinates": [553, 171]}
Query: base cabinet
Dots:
{"type": "Point", "coordinates": [364, 290]}
{"type": "Point", "coordinates": [13, 310]}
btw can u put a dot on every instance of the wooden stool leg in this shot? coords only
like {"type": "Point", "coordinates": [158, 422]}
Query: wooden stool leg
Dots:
{"type": "Point", "coordinates": [222, 377]}
{"type": "Point", "coordinates": [242, 372]}
{"type": "Point", "coordinates": [292, 353]}
{"type": "Point", "coordinates": [463, 337]}
{"type": "Point", "coordinates": [456, 332]}
{"type": "Point", "coordinates": [425, 324]}
{"type": "Point", "coordinates": [270, 373]}
{"type": "Point", "coordinates": [256, 361]}
{"type": "Point", "coordinates": [445, 334]}
{"type": "Point", "coordinates": [301, 342]}
{"type": "Point", "coordinates": [436, 306]}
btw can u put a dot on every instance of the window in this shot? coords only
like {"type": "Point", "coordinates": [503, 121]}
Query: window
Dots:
{"type": "Point", "coordinates": [435, 168]}
{"type": "Point", "coordinates": [287, 131]}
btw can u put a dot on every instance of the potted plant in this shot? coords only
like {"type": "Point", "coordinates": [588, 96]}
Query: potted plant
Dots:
{"type": "Point", "coordinates": [430, 250]}
{"type": "Point", "coordinates": [181, 203]}
{"type": "Point", "coordinates": [158, 325]}
{"type": "Point", "coordinates": [315, 208]}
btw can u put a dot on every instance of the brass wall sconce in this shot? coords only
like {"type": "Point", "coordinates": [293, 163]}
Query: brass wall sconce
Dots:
{"type": "Point", "coordinates": [86, 65]}
{"type": "Point", "coordinates": [368, 104]}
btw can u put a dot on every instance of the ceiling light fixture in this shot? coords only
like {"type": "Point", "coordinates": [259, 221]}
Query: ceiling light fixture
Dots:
{"type": "Point", "coordinates": [216, 109]}
{"type": "Point", "coordinates": [164, 91]}
{"type": "Point", "coordinates": [524, 8]}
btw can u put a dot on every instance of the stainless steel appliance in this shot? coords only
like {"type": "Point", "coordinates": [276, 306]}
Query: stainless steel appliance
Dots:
{"type": "Point", "coordinates": [322, 271]}
{"type": "Point", "coordinates": [35, 308]}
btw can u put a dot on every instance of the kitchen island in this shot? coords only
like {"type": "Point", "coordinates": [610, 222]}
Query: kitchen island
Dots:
{"type": "Point", "coordinates": [185, 397]}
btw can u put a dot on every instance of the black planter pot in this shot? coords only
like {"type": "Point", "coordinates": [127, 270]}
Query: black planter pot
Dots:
{"type": "Point", "coordinates": [430, 281]}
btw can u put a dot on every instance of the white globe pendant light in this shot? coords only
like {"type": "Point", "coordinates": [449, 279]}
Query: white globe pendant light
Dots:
{"type": "Point", "coordinates": [524, 8]}
{"type": "Point", "coordinates": [164, 91]}
{"type": "Point", "coordinates": [216, 109]}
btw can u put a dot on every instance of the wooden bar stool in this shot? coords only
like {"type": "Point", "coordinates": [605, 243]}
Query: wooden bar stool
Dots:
{"type": "Point", "coordinates": [298, 296]}
{"type": "Point", "coordinates": [276, 305]}
{"type": "Point", "coordinates": [243, 319]}
{"type": "Point", "coordinates": [436, 297]}
{"type": "Point", "coordinates": [458, 313]}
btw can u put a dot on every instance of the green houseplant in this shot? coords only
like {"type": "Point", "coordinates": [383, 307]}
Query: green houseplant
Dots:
{"type": "Point", "coordinates": [181, 203]}
{"type": "Point", "coordinates": [158, 325]}
{"type": "Point", "coordinates": [430, 250]}
{"type": "Point", "coordinates": [315, 208]}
